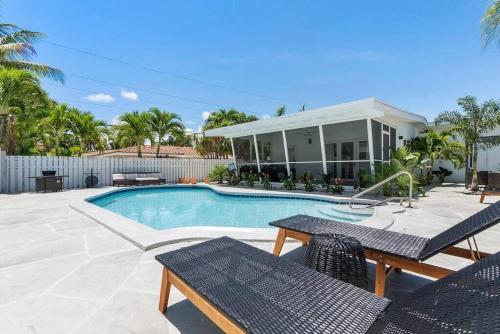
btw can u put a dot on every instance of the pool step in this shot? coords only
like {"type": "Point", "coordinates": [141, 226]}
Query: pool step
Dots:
{"type": "Point", "coordinates": [337, 214]}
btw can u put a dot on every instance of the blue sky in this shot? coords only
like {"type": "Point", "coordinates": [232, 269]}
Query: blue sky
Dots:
{"type": "Point", "coordinates": [420, 56]}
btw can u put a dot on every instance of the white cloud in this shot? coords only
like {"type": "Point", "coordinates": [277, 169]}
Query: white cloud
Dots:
{"type": "Point", "coordinates": [129, 95]}
{"type": "Point", "coordinates": [188, 130]}
{"type": "Point", "coordinates": [265, 116]}
{"type": "Point", "coordinates": [200, 129]}
{"type": "Point", "coordinates": [100, 97]}
{"type": "Point", "coordinates": [205, 114]}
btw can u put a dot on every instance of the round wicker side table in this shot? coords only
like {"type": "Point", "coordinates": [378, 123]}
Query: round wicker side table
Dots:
{"type": "Point", "coordinates": [338, 256]}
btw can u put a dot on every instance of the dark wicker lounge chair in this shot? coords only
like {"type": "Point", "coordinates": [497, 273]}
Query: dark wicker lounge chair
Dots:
{"type": "Point", "coordinates": [493, 187]}
{"type": "Point", "coordinates": [393, 250]}
{"type": "Point", "coordinates": [243, 289]}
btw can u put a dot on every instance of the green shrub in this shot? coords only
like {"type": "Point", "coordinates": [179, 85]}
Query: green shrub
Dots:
{"type": "Point", "coordinates": [217, 174]}
{"type": "Point", "coordinates": [289, 182]}
{"type": "Point", "coordinates": [232, 178]}
{"type": "Point", "coordinates": [309, 182]}
{"type": "Point", "coordinates": [337, 187]}
{"type": "Point", "coordinates": [250, 179]}
{"type": "Point", "coordinates": [266, 181]}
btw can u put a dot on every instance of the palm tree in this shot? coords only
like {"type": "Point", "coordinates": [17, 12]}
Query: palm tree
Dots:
{"type": "Point", "coordinates": [91, 133]}
{"type": "Point", "coordinates": [135, 129]}
{"type": "Point", "coordinates": [161, 124]}
{"type": "Point", "coordinates": [216, 147]}
{"type": "Point", "coordinates": [435, 146]}
{"type": "Point", "coordinates": [281, 111]}
{"type": "Point", "coordinates": [7, 123]}
{"type": "Point", "coordinates": [471, 124]}
{"type": "Point", "coordinates": [56, 129]}
{"type": "Point", "coordinates": [16, 52]}
{"type": "Point", "coordinates": [224, 117]}
{"type": "Point", "coordinates": [22, 103]}
{"type": "Point", "coordinates": [491, 24]}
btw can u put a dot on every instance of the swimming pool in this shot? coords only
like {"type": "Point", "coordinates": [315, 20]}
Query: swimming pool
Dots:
{"type": "Point", "coordinates": [170, 207]}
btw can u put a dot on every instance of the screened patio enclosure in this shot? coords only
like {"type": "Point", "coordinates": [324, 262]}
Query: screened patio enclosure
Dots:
{"type": "Point", "coordinates": [340, 141]}
{"type": "Point", "coordinates": [340, 150]}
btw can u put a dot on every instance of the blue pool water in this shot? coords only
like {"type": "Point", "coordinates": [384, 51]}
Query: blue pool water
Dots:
{"type": "Point", "coordinates": [164, 208]}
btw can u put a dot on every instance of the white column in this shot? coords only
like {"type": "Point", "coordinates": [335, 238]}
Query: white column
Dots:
{"type": "Point", "coordinates": [256, 152]}
{"type": "Point", "coordinates": [234, 155]}
{"type": "Point", "coordinates": [323, 153]}
{"type": "Point", "coordinates": [286, 153]}
{"type": "Point", "coordinates": [370, 144]}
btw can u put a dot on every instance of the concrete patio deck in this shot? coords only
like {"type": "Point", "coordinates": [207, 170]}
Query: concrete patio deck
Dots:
{"type": "Point", "coordinates": [61, 272]}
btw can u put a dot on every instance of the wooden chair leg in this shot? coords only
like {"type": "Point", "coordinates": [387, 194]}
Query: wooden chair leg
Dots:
{"type": "Point", "coordinates": [280, 240]}
{"type": "Point", "coordinates": [380, 276]}
{"type": "Point", "coordinates": [164, 290]}
{"type": "Point", "coordinates": [483, 194]}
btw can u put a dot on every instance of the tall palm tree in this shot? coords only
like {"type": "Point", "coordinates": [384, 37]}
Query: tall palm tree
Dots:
{"type": "Point", "coordinates": [472, 124]}
{"type": "Point", "coordinates": [56, 129]}
{"type": "Point", "coordinates": [224, 117]}
{"type": "Point", "coordinates": [163, 123]}
{"type": "Point", "coordinates": [217, 147]}
{"type": "Point", "coordinates": [281, 111]}
{"type": "Point", "coordinates": [17, 51]}
{"type": "Point", "coordinates": [135, 128]}
{"type": "Point", "coordinates": [21, 99]}
{"type": "Point", "coordinates": [91, 133]}
{"type": "Point", "coordinates": [491, 24]}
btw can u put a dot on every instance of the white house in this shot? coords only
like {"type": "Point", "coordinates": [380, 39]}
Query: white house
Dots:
{"type": "Point", "coordinates": [340, 140]}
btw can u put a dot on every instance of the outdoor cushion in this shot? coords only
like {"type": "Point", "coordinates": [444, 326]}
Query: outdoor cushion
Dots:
{"type": "Point", "coordinates": [118, 177]}
{"type": "Point", "coordinates": [147, 178]}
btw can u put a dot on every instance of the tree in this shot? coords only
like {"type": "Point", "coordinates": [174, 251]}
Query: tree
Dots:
{"type": "Point", "coordinates": [491, 24]}
{"type": "Point", "coordinates": [281, 111]}
{"type": "Point", "coordinates": [471, 124]}
{"type": "Point", "coordinates": [134, 129]}
{"type": "Point", "coordinates": [56, 130]}
{"type": "Point", "coordinates": [23, 103]}
{"type": "Point", "coordinates": [17, 51]}
{"type": "Point", "coordinates": [91, 133]}
{"type": "Point", "coordinates": [182, 139]}
{"type": "Point", "coordinates": [435, 146]}
{"type": "Point", "coordinates": [219, 147]}
{"type": "Point", "coordinates": [163, 124]}
{"type": "Point", "coordinates": [224, 117]}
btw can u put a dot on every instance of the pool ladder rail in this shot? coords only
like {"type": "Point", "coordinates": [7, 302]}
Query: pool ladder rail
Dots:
{"type": "Point", "coordinates": [390, 178]}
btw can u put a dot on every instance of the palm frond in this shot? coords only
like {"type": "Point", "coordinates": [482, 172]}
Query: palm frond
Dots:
{"type": "Point", "coordinates": [491, 25]}
{"type": "Point", "coordinates": [41, 70]}
{"type": "Point", "coordinates": [21, 36]}
{"type": "Point", "coordinates": [16, 51]}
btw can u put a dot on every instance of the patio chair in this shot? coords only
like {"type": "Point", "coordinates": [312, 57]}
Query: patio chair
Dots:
{"type": "Point", "coordinates": [493, 187]}
{"type": "Point", "coordinates": [393, 250]}
{"type": "Point", "coordinates": [243, 289]}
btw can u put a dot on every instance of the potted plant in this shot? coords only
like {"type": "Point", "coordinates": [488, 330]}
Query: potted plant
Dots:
{"type": "Point", "coordinates": [194, 180]}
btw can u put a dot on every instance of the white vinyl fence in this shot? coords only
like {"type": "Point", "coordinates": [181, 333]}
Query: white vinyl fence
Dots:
{"type": "Point", "coordinates": [16, 170]}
